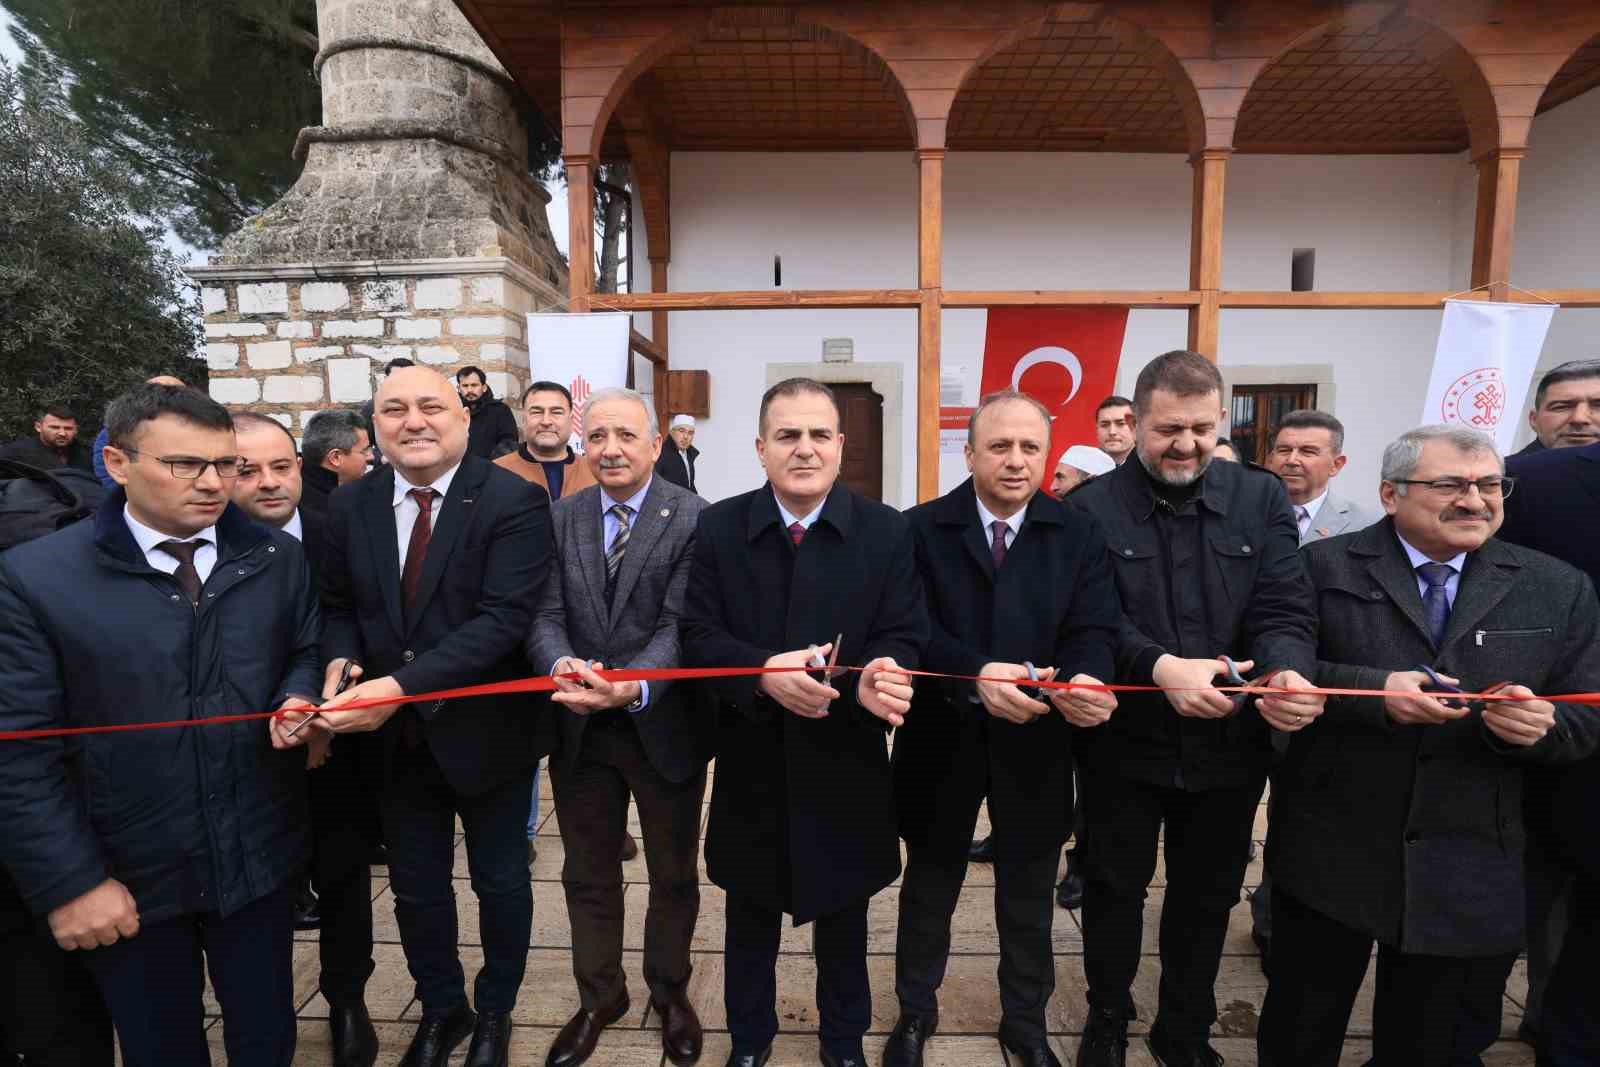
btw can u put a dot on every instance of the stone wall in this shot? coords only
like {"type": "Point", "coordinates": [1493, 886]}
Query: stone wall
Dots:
{"type": "Point", "coordinates": [288, 341]}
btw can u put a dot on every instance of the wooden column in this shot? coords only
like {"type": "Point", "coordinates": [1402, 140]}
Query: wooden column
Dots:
{"type": "Point", "coordinates": [1205, 249]}
{"type": "Point", "coordinates": [580, 231]}
{"type": "Point", "coordinates": [1496, 221]}
{"type": "Point", "coordinates": [658, 334]}
{"type": "Point", "coordinates": [930, 307]}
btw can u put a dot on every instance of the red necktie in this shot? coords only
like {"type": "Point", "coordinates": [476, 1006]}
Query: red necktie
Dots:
{"type": "Point", "coordinates": [797, 533]}
{"type": "Point", "coordinates": [187, 576]}
{"type": "Point", "coordinates": [998, 547]}
{"type": "Point", "coordinates": [417, 551]}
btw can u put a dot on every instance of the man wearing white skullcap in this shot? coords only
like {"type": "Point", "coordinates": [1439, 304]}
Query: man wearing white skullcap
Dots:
{"type": "Point", "coordinates": [678, 453]}
{"type": "Point", "coordinates": [1077, 465]}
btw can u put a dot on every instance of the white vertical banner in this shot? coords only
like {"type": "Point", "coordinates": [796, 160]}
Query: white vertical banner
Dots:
{"type": "Point", "coordinates": [583, 352]}
{"type": "Point", "coordinates": [1484, 365]}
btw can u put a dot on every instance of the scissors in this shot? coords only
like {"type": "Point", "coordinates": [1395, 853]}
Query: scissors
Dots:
{"type": "Point", "coordinates": [1032, 692]}
{"type": "Point", "coordinates": [1437, 684]}
{"type": "Point", "coordinates": [828, 667]}
{"type": "Point", "coordinates": [344, 683]}
{"type": "Point", "coordinates": [1233, 677]}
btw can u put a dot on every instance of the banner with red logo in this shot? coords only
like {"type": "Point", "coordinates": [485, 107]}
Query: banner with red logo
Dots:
{"type": "Point", "coordinates": [582, 352]}
{"type": "Point", "coordinates": [1484, 364]}
{"type": "Point", "coordinates": [1064, 357]}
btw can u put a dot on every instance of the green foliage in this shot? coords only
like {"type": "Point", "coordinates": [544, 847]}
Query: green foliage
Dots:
{"type": "Point", "coordinates": [200, 100]}
{"type": "Point", "coordinates": [90, 301]}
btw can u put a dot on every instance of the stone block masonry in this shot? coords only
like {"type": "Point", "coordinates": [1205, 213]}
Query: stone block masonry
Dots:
{"type": "Point", "coordinates": [289, 340]}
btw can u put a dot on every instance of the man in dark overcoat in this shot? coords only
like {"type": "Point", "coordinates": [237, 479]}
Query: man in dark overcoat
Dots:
{"type": "Point", "coordinates": [1399, 818]}
{"type": "Point", "coordinates": [1012, 576]}
{"type": "Point", "coordinates": [802, 817]}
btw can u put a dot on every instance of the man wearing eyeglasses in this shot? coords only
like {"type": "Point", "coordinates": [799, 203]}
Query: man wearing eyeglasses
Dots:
{"type": "Point", "coordinates": [1399, 818]}
{"type": "Point", "coordinates": [161, 855]}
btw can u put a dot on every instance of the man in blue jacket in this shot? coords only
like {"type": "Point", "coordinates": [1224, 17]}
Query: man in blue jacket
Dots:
{"type": "Point", "coordinates": [162, 853]}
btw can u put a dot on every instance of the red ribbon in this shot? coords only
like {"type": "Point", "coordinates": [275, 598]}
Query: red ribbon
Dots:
{"type": "Point", "coordinates": [545, 684]}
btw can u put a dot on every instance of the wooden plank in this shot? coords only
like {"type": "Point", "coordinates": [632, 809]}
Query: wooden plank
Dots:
{"type": "Point", "coordinates": [647, 348]}
{"type": "Point", "coordinates": [760, 299]}
{"type": "Point", "coordinates": [580, 231]}
{"type": "Point", "coordinates": [1379, 300]}
{"type": "Point", "coordinates": [1495, 226]}
{"type": "Point", "coordinates": [1205, 249]}
{"type": "Point", "coordinates": [929, 321]}
{"type": "Point", "coordinates": [1137, 298]}
{"type": "Point", "coordinates": [930, 218]}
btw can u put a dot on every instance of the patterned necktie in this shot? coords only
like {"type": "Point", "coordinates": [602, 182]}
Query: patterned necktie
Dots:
{"type": "Point", "coordinates": [417, 550]}
{"type": "Point", "coordinates": [998, 545]}
{"type": "Point", "coordinates": [188, 578]}
{"type": "Point", "coordinates": [1302, 518]}
{"type": "Point", "coordinates": [619, 547]}
{"type": "Point", "coordinates": [797, 533]}
{"type": "Point", "coordinates": [1435, 604]}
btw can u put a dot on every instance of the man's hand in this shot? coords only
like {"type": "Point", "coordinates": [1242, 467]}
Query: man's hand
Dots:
{"type": "Point", "coordinates": [330, 677]}
{"type": "Point", "coordinates": [278, 726]}
{"type": "Point", "coordinates": [1414, 707]}
{"type": "Point", "coordinates": [1003, 699]}
{"type": "Point", "coordinates": [593, 693]}
{"type": "Point", "coordinates": [885, 690]}
{"type": "Point", "coordinates": [1290, 711]}
{"type": "Point", "coordinates": [1194, 682]}
{"type": "Point", "coordinates": [796, 690]}
{"type": "Point", "coordinates": [102, 916]}
{"type": "Point", "coordinates": [362, 720]}
{"type": "Point", "coordinates": [1523, 721]}
{"type": "Point", "coordinates": [1083, 707]}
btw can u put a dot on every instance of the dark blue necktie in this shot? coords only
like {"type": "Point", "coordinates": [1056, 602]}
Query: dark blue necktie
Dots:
{"type": "Point", "coordinates": [1435, 604]}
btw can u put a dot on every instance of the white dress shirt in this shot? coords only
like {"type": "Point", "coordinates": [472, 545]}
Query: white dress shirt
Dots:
{"type": "Point", "coordinates": [406, 509]}
{"type": "Point", "coordinates": [205, 557]}
{"type": "Point", "coordinates": [1306, 514]}
{"type": "Point", "coordinates": [1418, 559]}
{"type": "Point", "coordinates": [293, 527]}
{"type": "Point", "coordinates": [1013, 524]}
{"type": "Point", "coordinates": [789, 520]}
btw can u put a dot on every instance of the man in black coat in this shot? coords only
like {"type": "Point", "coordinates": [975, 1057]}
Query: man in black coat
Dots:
{"type": "Point", "coordinates": [433, 567]}
{"type": "Point", "coordinates": [162, 854]}
{"type": "Point", "coordinates": [1012, 576]}
{"type": "Point", "coordinates": [494, 431]}
{"type": "Point", "coordinates": [1399, 819]}
{"type": "Point", "coordinates": [1554, 511]}
{"type": "Point", "coordinates": [54, 442]}
{"type": "Point", "coordinates": [1206, 565]}
{"type": "Point", "coordinates": [801, 803]}
{"type": "Point", "coordinates": [1566, 407]}
{"type": "Point", "coordinates": [678, 454]}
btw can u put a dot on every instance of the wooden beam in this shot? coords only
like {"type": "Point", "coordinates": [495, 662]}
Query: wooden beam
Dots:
{"type": "Point", "coordinates": [930, 312]}
{"type": "Point", "coordinates": [1390, 301]}
{"type": "Point", "coordinates": [1495, 227]}
{"type": "Point", "coordinates": [1205, 248]}
{"type": "Point", "coordinates": [1138, 298]}
{"type": "Point", "coordinates": [658, 334]}
{"type": "Point", "coordinates": [760, 300]}
{"type": "Point", "coordinates": [580, 231]}
{"type": "Point", "coordinates": [647, 348]}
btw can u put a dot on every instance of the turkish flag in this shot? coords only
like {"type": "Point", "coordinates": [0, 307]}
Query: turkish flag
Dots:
{"type": "Point", "coordinates": [1064, 357]}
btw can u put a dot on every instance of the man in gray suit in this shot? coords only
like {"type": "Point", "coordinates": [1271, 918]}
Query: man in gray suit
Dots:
{"type": "Point", "coordinates": [1307, 453]}
{"type": "Point", "coordinates": [624, 547]}
{"type": "Point", "coordinates": [1399, 817]}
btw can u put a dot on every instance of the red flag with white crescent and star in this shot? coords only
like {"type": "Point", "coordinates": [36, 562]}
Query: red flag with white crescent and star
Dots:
{"type": "Point", "coordinates": [1064, 357]}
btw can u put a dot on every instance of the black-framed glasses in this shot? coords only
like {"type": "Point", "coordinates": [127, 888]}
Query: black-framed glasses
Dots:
{"type": "Point", "coordinates": [191, 467]}
{"type": "Point", "coordinates": [1499, 486]}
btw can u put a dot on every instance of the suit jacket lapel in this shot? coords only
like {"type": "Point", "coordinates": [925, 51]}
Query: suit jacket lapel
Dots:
{"type": "Point", "coordinates": [642, 536]}
{"type": "Point", "coordinates": [592, 547]}
{"type": "Point", "coordinates": [455, 510]}
{"type": "Point", "coordinates": [1391, 569]}
{"type": "Point", "coordinates": [961, 507]}
{"type": "Point", "coordinates": [379, 509]}
{"type": "Point", "coordinates": [1483, 584]}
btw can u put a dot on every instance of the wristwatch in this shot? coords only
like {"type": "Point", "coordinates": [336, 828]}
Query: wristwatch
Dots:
{"type": "Point", "coordinates": [637, 703]}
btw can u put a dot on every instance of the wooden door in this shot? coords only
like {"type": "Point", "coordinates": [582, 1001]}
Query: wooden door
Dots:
{"type": "Point", "coordinates": [861, 422]}
{"type": "Point", "coordinates": [1257, 410]}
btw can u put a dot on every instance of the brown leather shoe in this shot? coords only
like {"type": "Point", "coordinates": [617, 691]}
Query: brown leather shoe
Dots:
{"type": "Point", "coordinates": [576, 1041]}
{"type": "Point", "coordinates": [681, 1035]}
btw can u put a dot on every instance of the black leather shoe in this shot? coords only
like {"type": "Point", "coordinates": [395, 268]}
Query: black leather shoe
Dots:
{"type": "Point", "coordinates": [1264, 947]}
{"type": "Point", "coordinates": [906, 1040]}
{"type": "Point", "coordinates": [1170, 1053]}
{"type": "Point", "coordinates": [681, 1034]}
{"type": "Point", "coordinates": [630, 848]}
{"type": "Point", "coordinates": [1069, 894]}
{"type": "Point", "coordinates": [437, 1036]}
{"type": "Point", "coordinates": [307, 910]}
{"type": "Point", "coordinates": [1034, 1055]}
{"type": "Point", "coordinates": [750, 1059]}
{"type": "Point", "coordinates": [491, 1040]}
{"type": "Point", "coordinates": [575, 1043]}
{"type": "Point", "coordinates": [1105, 1040]}
{"type": "Point", "coordinates": [378, 857]}
{"type": "Point", "coordinates": [355, 1042]}
{"type": "Point", "coordinates": [982, 850]}
{"type": "Point", "coordinates": [853, 1059]}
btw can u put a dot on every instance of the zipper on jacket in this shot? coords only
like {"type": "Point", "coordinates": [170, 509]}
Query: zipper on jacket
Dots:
{"type": "Point", "coordinates": [1479, 635]}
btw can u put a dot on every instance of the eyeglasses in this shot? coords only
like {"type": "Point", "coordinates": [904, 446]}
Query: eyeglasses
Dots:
{"type": "Point", "coordinates": [189, 468]}
{"type": "Point", "coordinates": [1457, 487]}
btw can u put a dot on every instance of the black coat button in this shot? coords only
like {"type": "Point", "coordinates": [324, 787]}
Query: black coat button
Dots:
{"type": "Point", "coordinates": [1413, 837]}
